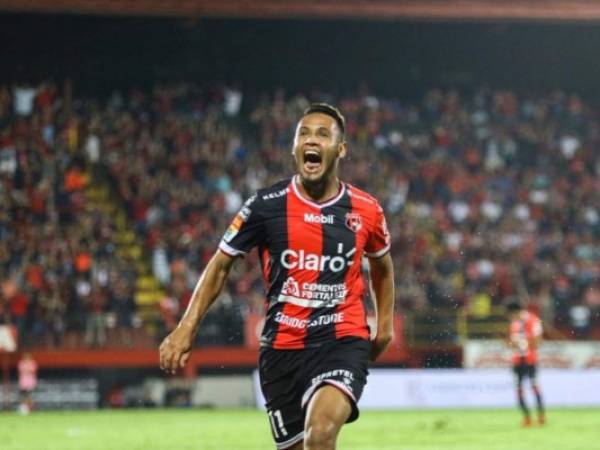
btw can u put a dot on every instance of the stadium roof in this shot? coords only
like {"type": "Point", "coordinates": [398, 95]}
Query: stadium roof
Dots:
{"type": "Point", "coordinates": [456, 10]}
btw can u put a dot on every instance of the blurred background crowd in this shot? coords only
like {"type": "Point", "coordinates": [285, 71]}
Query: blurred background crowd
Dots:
{"type": "Point", "coordinates": [487, 193]}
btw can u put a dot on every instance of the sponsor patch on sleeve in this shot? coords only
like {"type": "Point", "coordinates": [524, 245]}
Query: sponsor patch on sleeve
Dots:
{"type": "Point", "coordinates": [239, 220]}
{"type": "Point", "coordinates": [234, 228]}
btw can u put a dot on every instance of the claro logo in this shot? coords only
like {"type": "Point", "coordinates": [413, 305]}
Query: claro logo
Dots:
{"type": "Point", "coordinates": [299, 259]}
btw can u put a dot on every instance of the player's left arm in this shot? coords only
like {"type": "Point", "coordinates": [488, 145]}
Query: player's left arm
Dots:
{"type": "Point", "coordinates": [513, 342]}
{"type": "Point", "coordinates": [512, 338]}
{"type": "Point", "coordinates": [537, 334]}
{"type": "Point", "coordinates": [382, 287]}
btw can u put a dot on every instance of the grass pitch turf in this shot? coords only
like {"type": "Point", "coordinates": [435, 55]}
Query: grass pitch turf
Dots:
{"type": "Point", "coordinates": [567, 429]}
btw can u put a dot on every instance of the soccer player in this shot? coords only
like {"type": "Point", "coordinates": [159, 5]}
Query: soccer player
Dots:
{"type": "Point", "coordinates": [525, 334]}
{"type": "Point", "coordinates": [311, 232]}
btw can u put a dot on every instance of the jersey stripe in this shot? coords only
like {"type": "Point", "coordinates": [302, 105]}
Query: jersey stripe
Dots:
{"type": "Point", "coordinates": [274, 211]}
{"type": "Point", "coordinates": [306, 238]}
{"type": "Point", "coordinates": [265, 262]}
{"type": "Point", "coordinates": [338, 240]}
{"type": "Point", "coordinates": [355, 314]}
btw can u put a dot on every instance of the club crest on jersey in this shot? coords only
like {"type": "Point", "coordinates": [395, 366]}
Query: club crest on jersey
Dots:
{"type": "Point", "coordinates": [354, 221]}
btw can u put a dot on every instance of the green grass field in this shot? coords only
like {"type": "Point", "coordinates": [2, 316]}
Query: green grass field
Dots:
{"type": "Point", "coordinates": [567, 429]}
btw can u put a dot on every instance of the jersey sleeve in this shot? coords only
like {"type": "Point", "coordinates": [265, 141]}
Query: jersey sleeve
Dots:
{"type": "Point", "coordinates": [245, 231]}
{"type": "Point", "coordinates": [378, 243]}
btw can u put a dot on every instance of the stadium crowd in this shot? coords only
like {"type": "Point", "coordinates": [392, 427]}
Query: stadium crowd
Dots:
{"type": "Point", "coordinates": [487, 195]}
{"type": "Point", "coordinates": [58, 267]}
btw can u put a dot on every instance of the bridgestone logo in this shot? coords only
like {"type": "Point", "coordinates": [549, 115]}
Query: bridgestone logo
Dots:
{"type": "Point", "coordinates": [306, 323]}
{"type": "Point", "coordinates": [319, 218]}
{"type": "Point", "coordinates": [292, 259]}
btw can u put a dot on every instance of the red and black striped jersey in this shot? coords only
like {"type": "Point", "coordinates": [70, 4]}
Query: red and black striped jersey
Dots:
{"type": "Point", "coordinates": [524, 331]}
{"type": "Point", "coordinates": [311, 255]}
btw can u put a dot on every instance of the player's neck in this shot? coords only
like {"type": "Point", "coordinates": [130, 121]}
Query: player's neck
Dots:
{"type": "Point", "coordinates": [319, 192]}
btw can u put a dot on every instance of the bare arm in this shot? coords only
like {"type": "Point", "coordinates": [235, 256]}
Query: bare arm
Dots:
{"type": "Point", "coordinates": [512, 343]}
{"type": "Point", "coordinates": [176, 347]}
{"type": "Point", "coordinates": [382, 286]}
{"type": "Point", "coordinates": [535, 341]}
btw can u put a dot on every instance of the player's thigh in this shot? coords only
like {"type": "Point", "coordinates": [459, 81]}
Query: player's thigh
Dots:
{"type": "Point", "coordinates": [282, 396]}
{"type": "Point", "coordinates": [519, 373]}
{"type": "Point", "coordinates": [342, 365]}
{"type": "Point", "coordinates": [532, 374]}
{"type": "Point", "coordinates": [287, 424]}
{"type": "Point", "coordinates": [329, 407]}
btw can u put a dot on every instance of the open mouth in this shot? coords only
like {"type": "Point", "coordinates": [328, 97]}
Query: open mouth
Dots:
{"type": "Point", "coordinates": [312, 161]}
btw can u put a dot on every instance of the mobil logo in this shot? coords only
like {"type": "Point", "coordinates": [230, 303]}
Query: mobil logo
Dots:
{"type": "Point", "coordinates": [318, 218]}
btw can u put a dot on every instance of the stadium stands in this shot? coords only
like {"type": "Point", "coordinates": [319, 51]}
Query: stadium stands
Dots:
{"type": "Point", "coordinates": [113, 206]}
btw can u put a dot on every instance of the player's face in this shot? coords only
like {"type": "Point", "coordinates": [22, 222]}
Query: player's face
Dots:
{"type": "Point", "coordinates": [317, 147]}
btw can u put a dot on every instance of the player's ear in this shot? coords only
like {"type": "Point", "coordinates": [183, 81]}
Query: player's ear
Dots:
{"type": "Point", "coordinates": [342, 149]}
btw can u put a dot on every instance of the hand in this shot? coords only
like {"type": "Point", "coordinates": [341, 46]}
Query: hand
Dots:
{"type": "Point", "coordinates": [175, 349]}
{"type": "Point", "coordinates": [379, 344]}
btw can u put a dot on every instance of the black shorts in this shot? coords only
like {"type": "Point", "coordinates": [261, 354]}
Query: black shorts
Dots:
{"type": "Point", "coordinates": [289, 378]}
{"type": "Point", "coordinates": [24, 393]}
{"type": "Point", "coordinates": [525, 370]}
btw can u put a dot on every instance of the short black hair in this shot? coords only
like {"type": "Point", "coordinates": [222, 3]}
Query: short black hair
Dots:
{"type": "Point", "coordinates": [331, 111]}
{"type": "Point", "coordinates": [513, 304]}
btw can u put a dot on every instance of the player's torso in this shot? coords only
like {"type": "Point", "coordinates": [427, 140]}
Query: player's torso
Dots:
{"type": "Point", "coordinates": [311, 259]}
{"type": "Point", "coordinates": [524, 329]}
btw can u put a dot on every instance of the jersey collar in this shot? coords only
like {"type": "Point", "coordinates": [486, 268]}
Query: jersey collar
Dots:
{"type": "Point", "coordinates": [296, 180]}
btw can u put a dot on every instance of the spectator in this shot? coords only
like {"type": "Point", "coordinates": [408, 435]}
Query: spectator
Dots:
{"type": "Point", "coordinates": [27, 368]}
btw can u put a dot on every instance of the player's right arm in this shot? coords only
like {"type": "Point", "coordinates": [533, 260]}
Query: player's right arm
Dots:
{"type": "Point", "coordinates": [512, 340]}
{"type": "Point", "coordinates": [176, 347]}
{"type": "Point", "coordinates": [244, 233]}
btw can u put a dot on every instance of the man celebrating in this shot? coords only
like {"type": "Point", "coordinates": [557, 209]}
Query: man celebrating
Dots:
{"type": "Point", "coordinates": [311, 232]}
{"type": "Point", "coordinates": [524, 335]}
